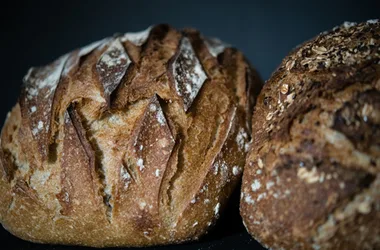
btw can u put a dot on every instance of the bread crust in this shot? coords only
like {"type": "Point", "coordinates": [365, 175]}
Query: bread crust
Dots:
{"type": "Point", "coordinates": [134, 140]}
{"type": "Point", "coordinates": [312, 177]}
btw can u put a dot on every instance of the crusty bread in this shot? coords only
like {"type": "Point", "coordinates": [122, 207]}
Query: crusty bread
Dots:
{"type": "Point", "coordinates": [134, 140]}
{"type": "Point", "coordinates": [312, 177]}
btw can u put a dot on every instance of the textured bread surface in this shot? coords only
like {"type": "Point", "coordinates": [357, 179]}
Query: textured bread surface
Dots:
{"type": "Point", "coordinates": [312, 176]}
{"type": "Point", "coordinates": [135, 140]}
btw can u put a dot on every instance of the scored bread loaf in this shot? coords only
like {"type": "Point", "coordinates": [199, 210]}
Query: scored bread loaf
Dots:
{"type": "Point", "coordinates": [134, 140]}
{"type": "Point", "coordinates": [312, 176]}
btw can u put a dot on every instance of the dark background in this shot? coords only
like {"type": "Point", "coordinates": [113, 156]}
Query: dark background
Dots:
{"type": "Point", "coordinates": [36, 32]}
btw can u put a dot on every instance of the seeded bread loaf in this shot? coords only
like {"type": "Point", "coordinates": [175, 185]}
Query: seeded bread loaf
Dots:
{"type": "Point", "coordinates": [134, 140]}
{"type": "Point", "coordinates": [312, 177]}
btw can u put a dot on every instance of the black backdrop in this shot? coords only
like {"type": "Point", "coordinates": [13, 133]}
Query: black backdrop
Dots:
{"type": "Point", "coordinates": [36, 32]}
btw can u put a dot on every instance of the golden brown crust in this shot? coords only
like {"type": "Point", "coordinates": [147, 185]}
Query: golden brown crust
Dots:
{"type": "Point", "coordinates": [311, 179]}
{"type": "Point", "coordinates": [135, 140]}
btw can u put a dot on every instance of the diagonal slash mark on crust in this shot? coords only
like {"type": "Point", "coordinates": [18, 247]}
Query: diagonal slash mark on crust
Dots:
{"type": "Point", "coordinates": [214, 156]}
{"type": "Point", "coordinates": [92, 151]}
{"type": "Point", "coordinates": [71, 67]}
{"type": "Point", "coordinates": [186, 73]}
{"type": "Point", "coordinates": [218, 146]}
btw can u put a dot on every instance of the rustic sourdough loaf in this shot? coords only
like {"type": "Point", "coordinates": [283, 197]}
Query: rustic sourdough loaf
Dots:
{"type": "Point", "coordinates": [134, 140]}
{"type": "Point", "coordinates": [312, 177]}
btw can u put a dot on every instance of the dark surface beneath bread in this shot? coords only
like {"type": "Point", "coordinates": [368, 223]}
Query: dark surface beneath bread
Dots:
{"type": "Point", "coordinates": [229, 233]}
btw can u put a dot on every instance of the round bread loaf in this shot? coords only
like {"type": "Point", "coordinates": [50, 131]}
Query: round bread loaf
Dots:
{"type": "Point", "coordinates": [312, 176]}
{"type": "Point", "coordinates": [134, 140]}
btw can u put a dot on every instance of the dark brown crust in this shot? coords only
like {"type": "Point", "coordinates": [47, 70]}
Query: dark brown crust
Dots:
{"type": "Point", "coordinates": [6, 167]}
{"type": "Point", "coordinates": [143, 80]}
{"type": "Point", "coordinates": [311, 177]}
{"type": "Point", "coordinates": [247, 88]}
{"type": "Point", "coordinates": [125, 155]}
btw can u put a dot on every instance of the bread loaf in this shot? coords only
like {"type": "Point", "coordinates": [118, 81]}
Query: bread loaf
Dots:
{"type": "Point", "coordinates": [312, 177]}
{"type": "Point", "coordinates": [135, 140]}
